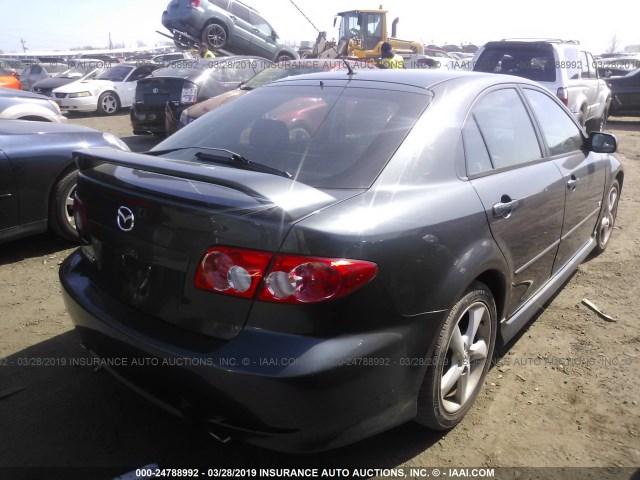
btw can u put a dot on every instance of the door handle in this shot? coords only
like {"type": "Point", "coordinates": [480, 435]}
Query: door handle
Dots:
{"type": "Point", "coordinates": [504, 208]}
{"type": "Point", "coordinates": [6, 195]}
{"type": "Point", "coordinates": [572, 183]}
{"type": "Point", "coordinates": [232, 17]}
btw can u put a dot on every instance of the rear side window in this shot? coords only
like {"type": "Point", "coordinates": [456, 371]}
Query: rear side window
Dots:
{"type": "Point", "coordinates": [506, 129]}
{"type": "Point", "coordinates": [560, 133]}
{"type": "Point", "coordinates": [535, 62]}
{"type": "Point", "coordinates": [478, 160]}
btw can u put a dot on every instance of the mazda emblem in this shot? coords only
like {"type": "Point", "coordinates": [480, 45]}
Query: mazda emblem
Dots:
{"type": "Point", "coordinates": [125, 219]}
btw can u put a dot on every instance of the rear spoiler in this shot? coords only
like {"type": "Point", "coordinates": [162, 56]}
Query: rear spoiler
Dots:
{"type": "Point", "coordinates": [265, 188]}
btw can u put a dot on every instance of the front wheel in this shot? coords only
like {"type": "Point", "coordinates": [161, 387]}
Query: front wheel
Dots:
{"type": "Point", "coordinates": [460, 361]}
{"type": "Point", "coordinates": [215, 36]}
{"type": "Point", "coordinates": [108, 103]}
{"type": "Point", "coordinates": [61, 219]}
{"type": "Point", "coordinates": [608, 218]}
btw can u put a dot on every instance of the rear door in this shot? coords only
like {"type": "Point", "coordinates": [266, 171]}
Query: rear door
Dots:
{"type": "Point", "coordinates": [583, 172]}
{"type": "Point", "coordinates": [522, 193]}
{"type": "Point", "coordinates": [241, 16]}
{"type": "Point", "coordinates": [9, 206]}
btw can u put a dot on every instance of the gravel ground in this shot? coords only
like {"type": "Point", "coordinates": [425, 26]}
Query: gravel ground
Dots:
{"type": "Point", "coordinates": [564, 393]}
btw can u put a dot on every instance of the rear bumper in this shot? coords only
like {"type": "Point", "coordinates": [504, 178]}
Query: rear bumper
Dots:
{"type": "Point", "coordinates": [185, 19]}
{"type": "Point", "coordinates": [275, 390]}
{"type": "Point", "coordinates": [148, 119]}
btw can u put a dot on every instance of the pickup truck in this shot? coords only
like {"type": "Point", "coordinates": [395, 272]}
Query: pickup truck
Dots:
{"type": "Point", "coordinates": [559, 65]}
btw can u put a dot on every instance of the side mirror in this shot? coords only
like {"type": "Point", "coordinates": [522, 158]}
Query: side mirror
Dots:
{"type": "Point", "coordinates": [602, 142]}
{"type": "Point", "coordinates": [274, 35]}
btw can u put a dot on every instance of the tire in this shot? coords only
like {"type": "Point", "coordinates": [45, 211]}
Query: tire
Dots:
{"type": "Point", "coordinates": [108, 103]}
{"type": "Point", "coordinates": [61, 220]}
{"type": "Point", "coordinates": [440, 406]}
{"type": "Point", "coordinates": [608, 218]}
{"type": "Point", "coordinates": [284, 57]}
{"type": "Point", "coordinates": [215, 36]}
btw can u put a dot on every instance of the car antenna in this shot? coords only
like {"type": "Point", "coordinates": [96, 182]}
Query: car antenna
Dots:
{"type": "Point", "coordinates": [349, 69]}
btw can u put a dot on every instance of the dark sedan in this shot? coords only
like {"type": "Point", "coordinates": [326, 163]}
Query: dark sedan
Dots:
{"type": "Point", "coordinates": [625, 94]}
{"type": "Point", "coordinates": [305, 291]}
{"type": "Point", "coordinates": [184, 83]}
{"type": "Point", "coordinates": [38, 176]}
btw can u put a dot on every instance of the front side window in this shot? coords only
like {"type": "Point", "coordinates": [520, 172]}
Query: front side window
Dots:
{"type": "Point", "coordinates": [506, 129]}
{"type": "Point", "coordinates": [326, 137]}
{"type": "Point", "coordinates": [261, 24]}
{"type": "Point", "coordinates": [560, 132]}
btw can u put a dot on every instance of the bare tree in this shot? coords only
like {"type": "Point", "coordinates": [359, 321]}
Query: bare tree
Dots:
{"type": "Point", "coordinates": [614, 45]}
{"type": "Point", "coordinates": [141, 43]}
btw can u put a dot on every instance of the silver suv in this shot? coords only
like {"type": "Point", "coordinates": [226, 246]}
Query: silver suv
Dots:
{"type": "Point", "coordinates": [559, 65]}
{"type": "Point", "coordinates": [225, 24]}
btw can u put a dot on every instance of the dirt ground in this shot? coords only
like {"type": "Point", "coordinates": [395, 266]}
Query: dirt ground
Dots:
{"type": "Point", "coordinates": [565, 392]}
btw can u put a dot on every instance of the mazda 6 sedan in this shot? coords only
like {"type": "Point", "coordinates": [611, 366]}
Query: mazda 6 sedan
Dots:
{"type": "Point", "coordinates": [302, 292]}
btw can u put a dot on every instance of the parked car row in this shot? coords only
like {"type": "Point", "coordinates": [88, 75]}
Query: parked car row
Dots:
{"type": "Point", "coordinates": [185, 83]}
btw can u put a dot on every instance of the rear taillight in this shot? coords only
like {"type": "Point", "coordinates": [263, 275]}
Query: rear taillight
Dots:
{"type": "Point", "coordinates": [563, 95]}
{"type": "Point", "coordinates": [189, 93]}
{"type": "Point", "coordinates": [286, 279]}
{"type": "Point", "coordinates": [80, 218]}
{"type": "Point", "coordinates": [194, 3]}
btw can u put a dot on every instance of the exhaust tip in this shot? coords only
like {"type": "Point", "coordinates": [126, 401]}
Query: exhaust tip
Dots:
{"type": "Point", "coordinates": [221, 438]}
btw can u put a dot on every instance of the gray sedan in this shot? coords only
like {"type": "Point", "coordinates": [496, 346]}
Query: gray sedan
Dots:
{"type": "Point", "coordinates": [336, 254]}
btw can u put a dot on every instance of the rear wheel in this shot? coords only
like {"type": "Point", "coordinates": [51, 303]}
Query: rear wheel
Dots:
{"type": "Point", "coordinates": [608, 220]}
{"type": "Point", "coordinates": [61, 219]}
{"type": "Point", "coordinates": [108, 103]}
{"type": "Point", "coordinates": [215, 36]}
{"type": "Point", "coordinates": [460, 361]}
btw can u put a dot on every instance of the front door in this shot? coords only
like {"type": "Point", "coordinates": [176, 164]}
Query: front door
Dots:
{"type": "Point", "coordinates": [583, 172]}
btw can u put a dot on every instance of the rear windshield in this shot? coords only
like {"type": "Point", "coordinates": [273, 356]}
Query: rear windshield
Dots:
{"type": "Point", "coordinates": [326, 137]}
{"type": "Point", "coordinates": [535, 62]}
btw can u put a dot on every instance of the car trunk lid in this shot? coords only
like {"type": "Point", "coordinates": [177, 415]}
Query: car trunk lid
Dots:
{"type": "Point", "coordinates": [159, 90]}
{"type": "Point", "coordinates": [151, 220]}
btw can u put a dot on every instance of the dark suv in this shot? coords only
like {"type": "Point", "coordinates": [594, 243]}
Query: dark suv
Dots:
{"type": "Point", "coordinates": [226, 24]}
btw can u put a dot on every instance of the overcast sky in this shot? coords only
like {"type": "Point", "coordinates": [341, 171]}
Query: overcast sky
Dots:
{"type": "Point", "coordinates": [56, 24]}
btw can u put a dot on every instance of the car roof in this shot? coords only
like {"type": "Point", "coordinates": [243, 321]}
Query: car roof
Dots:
{"type": "Point", "coordinates": [425, 79]}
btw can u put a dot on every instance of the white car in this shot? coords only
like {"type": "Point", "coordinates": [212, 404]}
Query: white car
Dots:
{"type": "Point", "coordinates": [107, 93]}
